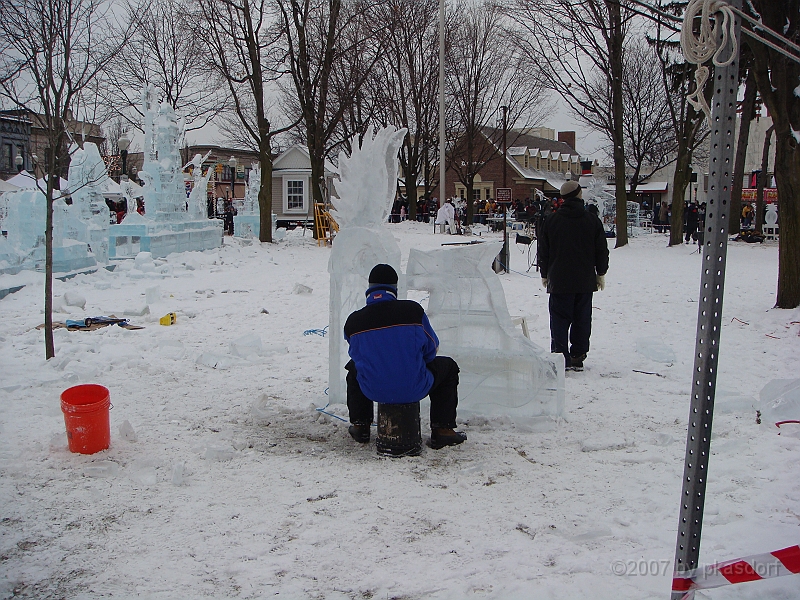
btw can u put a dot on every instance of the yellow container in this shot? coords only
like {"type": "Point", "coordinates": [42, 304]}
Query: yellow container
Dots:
{"type": "Point", "coordinates": [168, 319]}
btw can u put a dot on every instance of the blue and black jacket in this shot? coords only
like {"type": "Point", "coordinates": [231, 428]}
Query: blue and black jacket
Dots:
{"type": "Point", "coordinates": [391, 342]}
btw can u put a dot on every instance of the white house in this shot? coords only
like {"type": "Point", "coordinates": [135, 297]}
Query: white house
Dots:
{"type": "Point", "coordinates": [292, 198]}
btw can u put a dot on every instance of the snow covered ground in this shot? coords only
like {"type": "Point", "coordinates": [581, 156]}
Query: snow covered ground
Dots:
{"type": "Point", "coordinates": [277, 500]}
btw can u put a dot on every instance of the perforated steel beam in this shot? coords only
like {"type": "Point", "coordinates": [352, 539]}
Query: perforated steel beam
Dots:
{"type": "Point", "coordinates": [709, 316]}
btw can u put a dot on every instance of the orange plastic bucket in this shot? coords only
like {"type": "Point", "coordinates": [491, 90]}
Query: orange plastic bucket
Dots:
{"type": "Point", "coordinates": [85, 409]}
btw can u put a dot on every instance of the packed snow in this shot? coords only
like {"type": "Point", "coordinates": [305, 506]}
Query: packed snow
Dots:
{"type": "Point", "coordinates": [223, 480]}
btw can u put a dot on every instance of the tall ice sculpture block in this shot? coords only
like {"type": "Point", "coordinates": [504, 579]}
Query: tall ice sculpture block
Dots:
{"type": "Point", "coordinates": [87, 217]}
{"type": "Point", "coordinates": [503, 373]}
{"type": "Point", "coordinates": [171, 223]}
{"type": "Point", "coordinates": [247, 224]}
{"type": "Point", "coordinates": [366, 189]}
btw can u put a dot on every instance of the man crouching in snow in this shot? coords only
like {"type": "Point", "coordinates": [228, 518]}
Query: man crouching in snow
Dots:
{"type": "Point", "coordinates": [393, 361]}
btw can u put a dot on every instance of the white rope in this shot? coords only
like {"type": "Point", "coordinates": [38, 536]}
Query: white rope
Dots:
{"type": "Point", "coordinates": [700, 48]}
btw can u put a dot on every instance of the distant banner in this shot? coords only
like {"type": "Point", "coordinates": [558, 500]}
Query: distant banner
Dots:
{"type": "Point", "coordinates": [770, 195]}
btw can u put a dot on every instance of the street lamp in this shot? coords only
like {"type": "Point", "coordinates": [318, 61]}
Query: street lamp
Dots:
{"type": "Point", "coordinates": [19, 161]}
{"type": "Point", "coordinates": [232, 164]}
{"type": "Point", "coordinates": [123, 142]}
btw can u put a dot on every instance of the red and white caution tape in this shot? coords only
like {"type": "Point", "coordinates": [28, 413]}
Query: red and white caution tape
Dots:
{"type": "Point", "coordinates": [751, 568]}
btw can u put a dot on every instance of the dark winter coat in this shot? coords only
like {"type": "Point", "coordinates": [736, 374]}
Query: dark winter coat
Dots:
{"type": "Point", "coordinates": [572, 250]}
{"type": "Point", "coordinates": [391, 342]}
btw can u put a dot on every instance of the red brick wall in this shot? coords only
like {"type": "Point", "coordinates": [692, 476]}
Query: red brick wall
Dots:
{"type": "Point", "coordinates": [567, 137]}
{"type": "Point", "coordinates": [492, 171]}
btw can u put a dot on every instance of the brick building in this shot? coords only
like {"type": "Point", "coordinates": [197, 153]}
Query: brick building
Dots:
{"type": "Point", "coordinates": [535, 160]}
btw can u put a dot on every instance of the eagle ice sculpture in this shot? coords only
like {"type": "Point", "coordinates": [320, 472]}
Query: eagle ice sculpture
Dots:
{"type": "Point", "coordinates": [366, 188]}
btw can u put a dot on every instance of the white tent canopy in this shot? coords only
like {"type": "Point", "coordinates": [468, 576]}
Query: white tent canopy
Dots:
{"type": "Point", "coordinates": [23, 179]}
{"type": "Point", "coordinates": [8, 187]}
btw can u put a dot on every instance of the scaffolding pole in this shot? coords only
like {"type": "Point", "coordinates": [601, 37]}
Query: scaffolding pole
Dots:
{"type": "Point", "coordinates": [709, 316]}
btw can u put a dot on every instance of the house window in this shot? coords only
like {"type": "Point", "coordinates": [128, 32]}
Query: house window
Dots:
{"type": "Point", "coordinates": [8, 157]}
{"type": "Point", "coordinates": [476, 194]}
{"type": "Point", "coordinates": [295, 196]}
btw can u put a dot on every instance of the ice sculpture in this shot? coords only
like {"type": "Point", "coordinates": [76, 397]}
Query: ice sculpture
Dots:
{"type": "Point", "coordinates": [198, 198]}
{"type": "Point", "coordinates": [247, 223]}
{"type": "Point", "coordinates": [771, 216]}
{"type": "Point", "coordinates": [168, 225]}
{"type": "Point", "coordinates": [366, 191]}
{"type": "Point", "coordinates": [27, 210]}
{"type": "Point", "coordinates": [502, 372]}
{"type": "Point", "coordinates": [88, 216]}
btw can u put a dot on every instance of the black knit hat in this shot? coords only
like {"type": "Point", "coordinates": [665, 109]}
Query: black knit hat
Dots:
{"type": "Point", "coordinates": [382, 277]}
{"type": "Point", "coordinates": [383, 274]}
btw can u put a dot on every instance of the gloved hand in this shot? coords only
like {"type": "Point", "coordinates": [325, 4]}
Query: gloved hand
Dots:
{"type": "Point", "coordinates": [601, 283]}
{"type": "Point", "coordinates": [544, 283]}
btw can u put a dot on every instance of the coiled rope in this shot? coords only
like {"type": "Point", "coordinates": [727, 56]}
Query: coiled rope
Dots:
{"type": "Point", "coordinates": [699, 48]}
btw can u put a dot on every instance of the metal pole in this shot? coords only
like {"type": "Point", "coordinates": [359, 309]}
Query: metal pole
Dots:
{"type": "Point", "coordinates": [442, 179]}
{"type": "Point", "coordinates": [505, 131]}
{"type": "Point", "coordinates": [709, 318]}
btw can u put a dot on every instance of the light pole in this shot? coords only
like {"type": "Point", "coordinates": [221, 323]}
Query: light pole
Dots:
{"type": "Point", "coordinates": [123, 142]}
{"type": "Point", "coordinates": [19, 161]}
{"type": "Point", "coordinates": [232, 164]}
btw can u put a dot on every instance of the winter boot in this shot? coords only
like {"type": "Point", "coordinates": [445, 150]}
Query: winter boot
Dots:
{"type": "Point", "coordinates": [446, 437]}
{"type": "Point", "coordinates": [359, 433]}
{"type": "Point", "coordinates": [576, 362]}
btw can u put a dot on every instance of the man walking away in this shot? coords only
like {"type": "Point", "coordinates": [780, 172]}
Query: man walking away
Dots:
{"type": "Point", "coordinates": [573, 260]}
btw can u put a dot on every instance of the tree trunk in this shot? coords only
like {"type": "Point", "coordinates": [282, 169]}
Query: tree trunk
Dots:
{"type": "Point", "coordinates": [679, 183]}
{"type": "Point", "coordinates": [265, 195]}
{"type": "Point", "coordinates": [748, 109]}
{"type": "Point", "coordinates": [787, 169]}
{"type": "Point", "coordinates": [617, 110]}
{"type": "Point", "coordinates": [762, 180]}
{"type": "Point", "coordinates": [411, 194]}
{"type": "Point", "coordinates": [49, 346]}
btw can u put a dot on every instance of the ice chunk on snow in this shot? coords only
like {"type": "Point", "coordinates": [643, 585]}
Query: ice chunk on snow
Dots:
{"type": "Point", "coordinates": [152, 294]}
{"type": "Point", "coordinates": [780, 401]}
{"type": "Point", "coordinates": [144, 262]}
{"type": "Point", "coordinates": [137, 311]}
{"type": "Point", "coordinates": [126, 431]}
{"type": "Point", "coordinates": [215, 361]}
{"type": "Point", "coordinates": [177, 474]}
{"type": "Point", "coordinates": [727, 402]}
{"type": "Point", "coordinates": [656, 350]}
{"type": "Point", "coordinates": [73, 298]}
{"type": "Point", "coordinates": [101, 468]}
{"type": "Point", "coordinates": [299, 288]}
{"type": "Point", "coordinates": [247, 345]}
{"type": "Point", "coordinates": [218, 454]}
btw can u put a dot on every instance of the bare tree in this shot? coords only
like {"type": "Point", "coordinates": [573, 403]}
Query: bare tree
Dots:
{"type": "Point", "coordinates": [318, 36]}
{"type": "Point", "coordinates": [243, 47]}
{"type": "Point", "coordinates": [485, 72]}
{"type": "Point", "coordinates": [746, 115]}
{"type": "Point", "coordinates": [649, 135]}
{"type": "Point", "coordinates": [408, 82]}
{"type": "Point", "coordinates": [689, 124]}
{"type": "Point", "coordinates": [573, 42]}
{"type": "Point", "coordinates": [50, 52]}
{"type": "Point", "coordinates": [164, 51]}
{"type": "Point", "coordinates": [777, 76]}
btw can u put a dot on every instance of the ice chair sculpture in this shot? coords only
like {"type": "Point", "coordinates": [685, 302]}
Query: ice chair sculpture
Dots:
{"type": "Point", "coordinates": [366, 190]}
{"type": "Point", "coordinates": [503, 373]}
